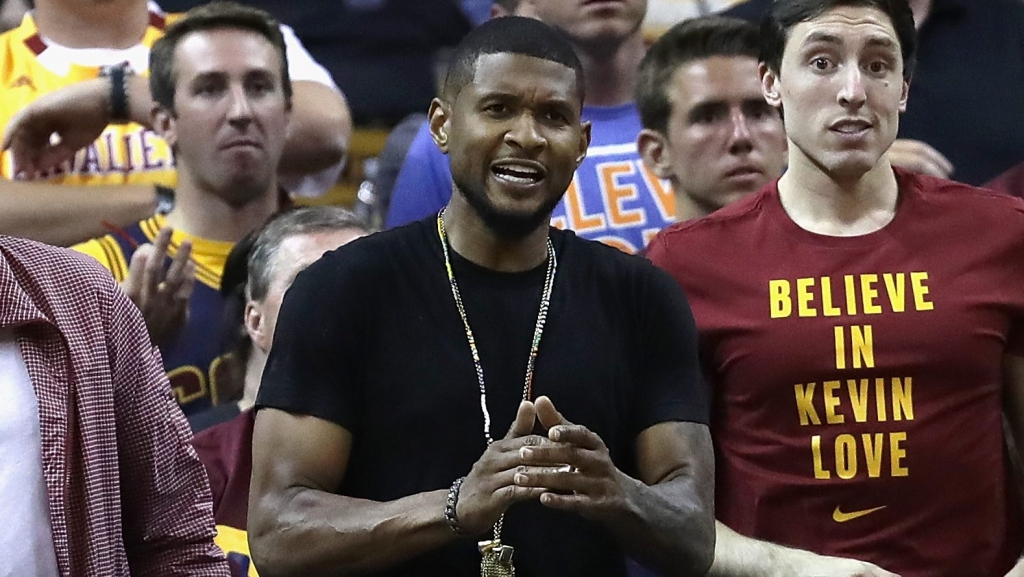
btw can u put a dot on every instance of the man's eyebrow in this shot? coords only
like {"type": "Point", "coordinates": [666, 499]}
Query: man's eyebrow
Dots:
{"type": "Point", "coordinates": [881, 42]}
{"type": "Point", "coordinates": [823, 38]}
{"type": "Point", "coordinates": [209, 75]}
{"type": "Point", "coordinates": [502, 94]}
{"type": "Point", "coordinates": [706, 107]}
{"type": "Point", "coordinates": [829, 38]}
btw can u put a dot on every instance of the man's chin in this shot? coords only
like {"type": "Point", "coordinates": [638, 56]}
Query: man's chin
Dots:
{"type": "Point", "coordinates": [514, 225]}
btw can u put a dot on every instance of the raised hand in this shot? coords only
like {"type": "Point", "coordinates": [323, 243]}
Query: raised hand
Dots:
{"type": "Point", "coordinates": [162, 296]}
{"type": "Point", "coordinates": [490, 488]}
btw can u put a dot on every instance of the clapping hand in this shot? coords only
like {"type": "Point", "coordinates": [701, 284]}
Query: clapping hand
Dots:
{"type": "Point", "coordinates": [161, 295]}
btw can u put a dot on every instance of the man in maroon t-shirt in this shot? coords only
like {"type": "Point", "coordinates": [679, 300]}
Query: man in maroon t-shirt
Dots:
{"type": "Point", "coordinates": [289, 243]}
{"type": "Point", "coordinates": [861, 328]}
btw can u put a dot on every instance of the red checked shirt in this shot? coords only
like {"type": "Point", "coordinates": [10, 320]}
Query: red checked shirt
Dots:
{"type": "Point", "coordinates": [127, 494]}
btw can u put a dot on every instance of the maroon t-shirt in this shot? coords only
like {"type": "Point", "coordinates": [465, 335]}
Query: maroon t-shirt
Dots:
{"type": "Point", "coordinates": [857, 384]}
{"type": "Point", "coordinates": [226, 451]}
{"type": "Point", "coordinates": [1010, 182]}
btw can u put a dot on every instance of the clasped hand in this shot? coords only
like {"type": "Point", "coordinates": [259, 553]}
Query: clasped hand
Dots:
{"type": "Point", "coordinates": [543, 456]}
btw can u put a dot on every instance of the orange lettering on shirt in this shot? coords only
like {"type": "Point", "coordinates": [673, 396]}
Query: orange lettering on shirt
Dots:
{"type": "Point", "coordinates": [579, 220]}
{"type": "Point", "coordinates": [615, 193]}
{"type": "Point", "coordinates": [661, 190]}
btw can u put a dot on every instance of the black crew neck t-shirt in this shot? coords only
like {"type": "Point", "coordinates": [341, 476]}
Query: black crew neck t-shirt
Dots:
{"type": "Point", "coordinates": [369, 338]}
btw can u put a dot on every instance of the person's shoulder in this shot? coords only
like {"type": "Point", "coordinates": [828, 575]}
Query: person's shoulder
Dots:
{"type": "Point", "coordinates": [957, 196]}
{"type": "Point", "coordinates": [723, 221]}
{"type": "Point", "coordinates": [211, 443]}
{"type": "Point", "coordinates": [379, 253]}
{"type": "Point", "coordinates": [59, 275]}
{"type": "Point", "coordinates": [1010, 182]}
{"type": "Point", "coordinates": [16, 52]}
{"type": "Point", "coordinates": [55, 263]}
{"type": "Point", "coordinates": [600, 259]}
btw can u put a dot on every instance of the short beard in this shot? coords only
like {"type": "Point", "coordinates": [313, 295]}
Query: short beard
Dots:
{"type": "Point", "coordinates": [505, 225]}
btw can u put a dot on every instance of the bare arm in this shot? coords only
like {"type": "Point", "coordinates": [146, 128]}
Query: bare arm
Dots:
{"type": "Point", "coordinates": [739, 556]}
{"type": "Point", "coordinates": [318, 132]}
{"type": "Point", "coordinates": [674, 519]}
{"type": "Point", "coordinates": [317, 137]}
{"type": "Point", "coordinates": [297, 526]}
{"type": "Point", "coordinates": [65, 215]}
{"type": "Point", "coordinates": [665, 519]}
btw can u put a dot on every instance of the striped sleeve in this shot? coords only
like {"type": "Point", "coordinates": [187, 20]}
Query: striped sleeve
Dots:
{"type": "Point", "coordinates": [109, 254]}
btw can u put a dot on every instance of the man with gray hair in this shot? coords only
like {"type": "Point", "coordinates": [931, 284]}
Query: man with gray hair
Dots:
{"type": "Point", "coordinates": [287, 244]}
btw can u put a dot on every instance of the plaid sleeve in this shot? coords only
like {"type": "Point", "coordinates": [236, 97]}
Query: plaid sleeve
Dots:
{"type": "Point", "coordinates": [166, 504]}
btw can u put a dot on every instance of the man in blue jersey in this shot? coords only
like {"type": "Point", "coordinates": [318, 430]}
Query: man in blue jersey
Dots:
{"type": "Point", "coordinates": [223, 103]}
{"type": "Point", "coordinates": [707, 128]}
{"type": "Point", "coordinates": [612, 198]}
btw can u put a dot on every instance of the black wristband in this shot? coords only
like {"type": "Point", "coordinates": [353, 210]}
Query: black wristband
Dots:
{"type": "Point", "coordinates": [119, 113]}
{"type": "Point", "coordinates": [449, 508]}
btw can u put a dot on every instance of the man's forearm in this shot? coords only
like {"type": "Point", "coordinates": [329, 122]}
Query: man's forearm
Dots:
{"type": "Point", "coordinates": [343, 535]}
{"type": "Point", "coordinates": [65, 215]}
{"type": "Point", "coordinates": [739, 556]}
{"type": "Point", "coordinates": [318, 132]}
{"type": "Point", "coordinates": [668, 529]}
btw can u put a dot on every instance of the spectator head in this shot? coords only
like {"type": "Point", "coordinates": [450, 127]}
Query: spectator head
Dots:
{"type": "Point", "coordinates": [209, 17]}
{"type": "Point", "coordinates": [223, 99]}
{"type": "Point", "coordinates": [289, 243]}
{"type": "Point", "coordinates": [509, 119]}
{"type": "Point", "coordinates": [839, 71]}
{"type": "Point", "coordinates": [594, 27]}
{"type": "Point", "coordinates": [784, 15]}
{"type": "Point", "coordinates": [706, 126]}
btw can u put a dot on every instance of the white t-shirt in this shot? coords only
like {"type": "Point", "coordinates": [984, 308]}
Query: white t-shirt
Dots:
{"type": "Point", "coordinates": [26, 537]}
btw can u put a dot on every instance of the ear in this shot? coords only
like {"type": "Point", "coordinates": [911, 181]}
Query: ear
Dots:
{"type": "Point", "coordinates": [164, 124]}
{"type": "Point", "coordinates": [256, 326]}
{"type": "Point", "coordinates": [439, 119]}
{"type": "Point", "coordinates": [584, 144]}
{"type": "Point", "coordinates": [903, 96]}
{"type": "Point", "coordinates": [653, 148]}
{"type": "Point", "coordinates": [769, 85]}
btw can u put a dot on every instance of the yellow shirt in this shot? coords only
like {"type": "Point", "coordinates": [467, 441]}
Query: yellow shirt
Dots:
{"type": "Point", "coordinates": [124, 154]}
{"type": "Point", "coordinates": [193, 359]}
{"type": "Point", "coordinates": [235, 544]}
{"type": "Point", "coordinates": [208, 255]}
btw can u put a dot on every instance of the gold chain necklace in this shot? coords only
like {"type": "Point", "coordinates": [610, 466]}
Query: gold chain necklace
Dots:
{"type": "Point", "coordinates": [497, 557]}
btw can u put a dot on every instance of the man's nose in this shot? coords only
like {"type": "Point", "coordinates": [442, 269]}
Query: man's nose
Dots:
{"type": "Point", "coordinates": [524, 133]}
{"type": "Point", "coordinates": [852, 93]}
{"type": "Point", "coordinates": [740, 139]}
{"type": "Point", "coordinates": [240, 107]}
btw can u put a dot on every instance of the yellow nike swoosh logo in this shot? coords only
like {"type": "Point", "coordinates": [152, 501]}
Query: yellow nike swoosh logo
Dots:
{"type": "Point", "coordinates": [840, 517]}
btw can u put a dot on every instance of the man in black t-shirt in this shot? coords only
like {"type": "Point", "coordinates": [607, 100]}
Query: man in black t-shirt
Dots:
{"type": "Point", "coordinates": [378, 445]}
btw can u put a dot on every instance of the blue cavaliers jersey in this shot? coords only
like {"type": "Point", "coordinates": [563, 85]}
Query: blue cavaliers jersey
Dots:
{"type": "Point", "coordinates": [613, 198]}
{"type": "Point", "coordinates": [192, 357]}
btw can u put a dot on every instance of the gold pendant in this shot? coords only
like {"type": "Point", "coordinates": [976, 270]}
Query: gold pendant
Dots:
{"type": "Point", "coordinates": [497, 559]}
